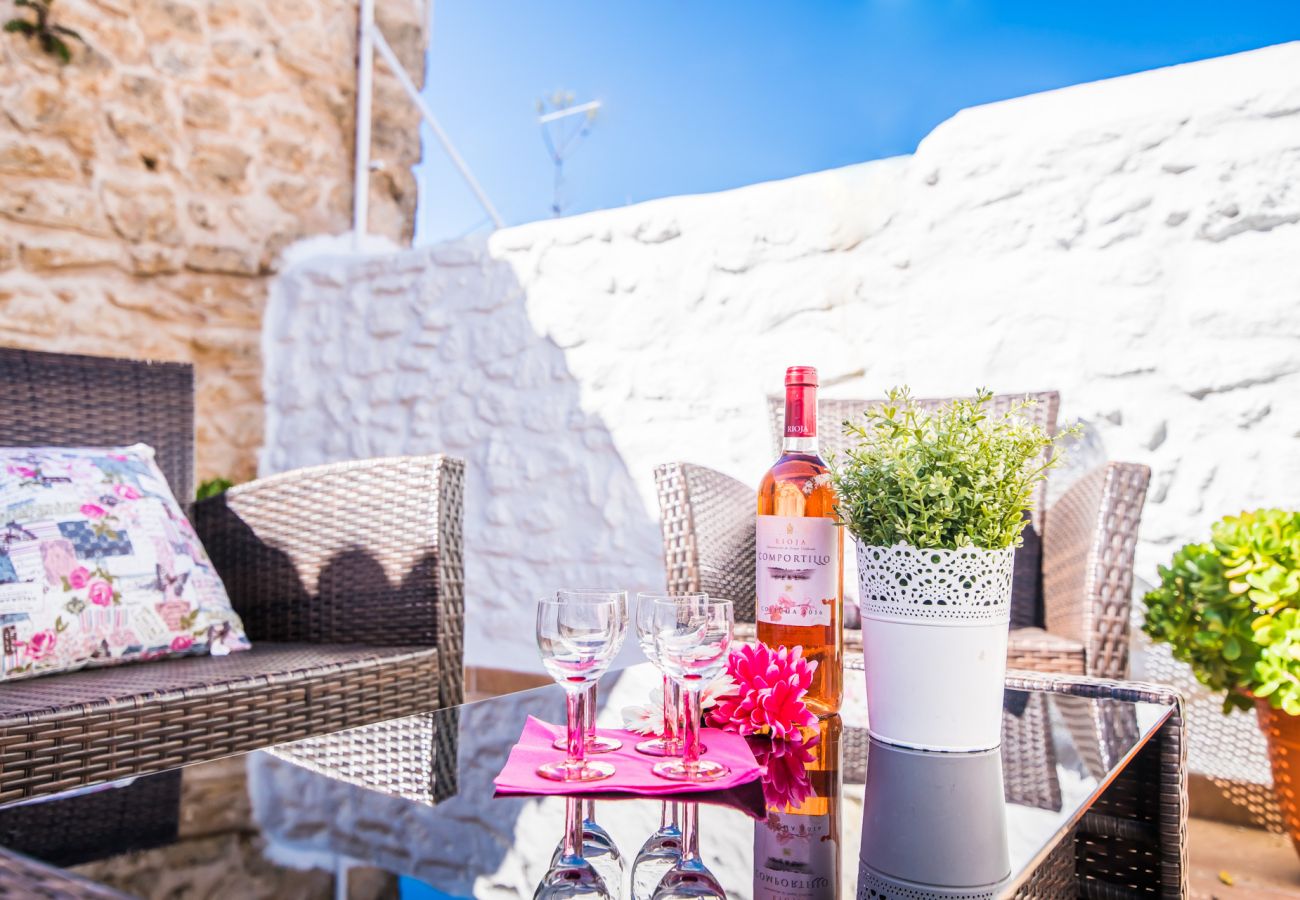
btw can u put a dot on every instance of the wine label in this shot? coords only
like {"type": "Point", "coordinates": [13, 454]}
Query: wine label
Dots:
{"type": "Point", "coordinates": [797, 575]}
{"type": "Point", "coordinates": [794, 856]}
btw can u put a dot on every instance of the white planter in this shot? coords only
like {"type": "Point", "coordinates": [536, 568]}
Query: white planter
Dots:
{"type": "Point", "coordinates": [934, 639]}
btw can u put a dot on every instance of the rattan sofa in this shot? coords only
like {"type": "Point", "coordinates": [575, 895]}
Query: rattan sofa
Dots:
{"type": "Point", "coordinates": [348, 578]}
{"type": "Point", "coordinates": [1078, 624]}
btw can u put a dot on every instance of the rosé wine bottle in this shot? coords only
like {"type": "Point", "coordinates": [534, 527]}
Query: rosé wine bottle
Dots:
{"type": "Point", "coordinates": [799, 559]}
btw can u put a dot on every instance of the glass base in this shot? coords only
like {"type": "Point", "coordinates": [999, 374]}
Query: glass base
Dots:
{"type": "Point", "coordinates": [566, 771]}
{"type": "Point", "coordinates": [598, 743]}
{"type": "Point", "coordinates": [663, 747]}
{"type": "Point", "coordinates": [701, 770]}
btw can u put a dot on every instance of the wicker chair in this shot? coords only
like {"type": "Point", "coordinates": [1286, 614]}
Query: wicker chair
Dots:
{"type": "Point", "coordinates": [1088, 537]}
{"type": "Point", "coordinates": [348, 578]}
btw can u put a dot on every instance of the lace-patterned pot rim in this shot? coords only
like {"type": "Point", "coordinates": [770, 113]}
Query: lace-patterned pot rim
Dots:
{"type": "Point", "coordinates": [902, 583]}
{"type": "Point", "coordinates": [874, 885]}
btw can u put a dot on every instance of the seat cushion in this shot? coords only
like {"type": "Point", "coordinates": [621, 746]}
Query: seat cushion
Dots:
{"type": "Point", "coordinates": [1042, 651]}
{"type": "Point", "coordinates": [266, 663]}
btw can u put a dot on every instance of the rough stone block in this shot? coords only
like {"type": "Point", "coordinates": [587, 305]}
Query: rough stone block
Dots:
{"type": "Point", "coordinates": [221, 168]}
{"type": "Point", "coordinates": [35, 159]}
{"type": "Point", "coordinates": [219, 258]}
{"type": "Point", "coordinates": [67, 251]}
{"type": "Point", "coordinates": [51, 204]}
{"type": "Point", "coordinates": [205, 109]}
{"type": "Point", "coordinates": [142, 211]}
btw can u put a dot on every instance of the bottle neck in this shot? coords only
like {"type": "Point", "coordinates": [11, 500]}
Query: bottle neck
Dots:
{"type": "Point", "coordinates": [800, 419]}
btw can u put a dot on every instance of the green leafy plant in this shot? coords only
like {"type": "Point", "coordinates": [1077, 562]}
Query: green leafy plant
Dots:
{"type": "Point", "coordinates": [945, 478]}
{"type": "Point", "coordinates": [50, 36]}
{"type": "Point", "coordinates": [212, 487]}
{"type": "Point", "coordinates": [1229, 608]}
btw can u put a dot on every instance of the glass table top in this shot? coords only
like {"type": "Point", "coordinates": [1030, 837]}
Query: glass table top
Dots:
{"type": "Point", "coordinates": [407, 808]}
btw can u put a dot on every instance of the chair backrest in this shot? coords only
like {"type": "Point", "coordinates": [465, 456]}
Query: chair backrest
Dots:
{"type": "Point", "coordinates": [63, 400]}
{"type": "Point", "coordinates": [708, 528]}
{"type": "Point", "coordinates": [1089, 539]}
{"type": "Point", "coordinates": [832, 412]}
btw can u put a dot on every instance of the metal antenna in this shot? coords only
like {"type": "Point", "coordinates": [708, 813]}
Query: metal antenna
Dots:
{"type": "Point", "coordinates": [559, 108]}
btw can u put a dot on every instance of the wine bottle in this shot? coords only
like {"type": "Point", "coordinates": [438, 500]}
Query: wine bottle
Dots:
{"type": "Point", "coordinates": [797, 848]}
{"type": "Point", "coordinates": [799, 558]}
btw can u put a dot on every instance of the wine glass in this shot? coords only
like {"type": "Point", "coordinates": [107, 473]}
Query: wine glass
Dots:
{"type": "Point", "coordinates": [693, 638]}
{"type": "Point", "coordinates": [689, 879]}
{"type": "Point", "coordinates": [597, 743]}
{"type": "Point", "coordinates": [670, 744]}
{"type": "Point", "coordinates": [570, 874]}
{"type": "Point", "coordinates": [577, 637]}
{"type": "Point", "coordinates": [598, 848]}
{"type": "Point", "coordinates": [658, 854]}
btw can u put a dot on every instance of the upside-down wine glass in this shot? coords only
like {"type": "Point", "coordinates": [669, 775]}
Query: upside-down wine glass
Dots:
{"type": "Point", "coordinates": [597, 848]}
{"type": "Point", "coordinates": [690, 879]}
{"type": "Point", "coordinates": [658, 854]}
{"type": "Point", "coordinates": [577, 637]}
{"type": "Point", "coordinates": [597, 743]}
{"type": "Point", "coordinates": [670, 743]}
{"type": "Point", "coordinates": [693, 638]}
{"type": "Point", "coordinates": [570, 874]}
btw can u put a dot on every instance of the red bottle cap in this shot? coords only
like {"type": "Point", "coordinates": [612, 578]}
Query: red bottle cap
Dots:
{"type": "Point", "coordinates": [800, 402]}
{"type": "Point", "coordinates": [805, 376]}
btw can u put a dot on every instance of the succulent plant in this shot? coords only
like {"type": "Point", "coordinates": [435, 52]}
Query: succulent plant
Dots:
{"type": "Point", "coordinates": [1230, 608]}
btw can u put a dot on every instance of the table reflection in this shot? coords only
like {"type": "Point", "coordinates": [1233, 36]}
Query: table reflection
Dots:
{"type": "Point", "coordinates": [933, 824]}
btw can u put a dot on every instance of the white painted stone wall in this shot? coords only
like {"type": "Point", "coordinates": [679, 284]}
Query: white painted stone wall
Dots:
{"type": "Point", "coordinates": [1133, 243]}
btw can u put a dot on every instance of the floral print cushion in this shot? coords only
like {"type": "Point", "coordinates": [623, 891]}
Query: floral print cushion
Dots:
{"type": "Point", "coordinates": [98, 565]}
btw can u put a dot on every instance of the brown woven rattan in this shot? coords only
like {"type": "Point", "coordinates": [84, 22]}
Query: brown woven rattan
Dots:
{"type": "Point", "coordinates": [348, 578]}
{"type": "Point", "coordinates": [1133, 840]}
{"type": "Point", "coordinates": [1089, 538]}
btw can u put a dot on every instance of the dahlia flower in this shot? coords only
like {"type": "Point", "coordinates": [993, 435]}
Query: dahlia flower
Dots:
{"type": "Point", "coordinates": [770, 687]}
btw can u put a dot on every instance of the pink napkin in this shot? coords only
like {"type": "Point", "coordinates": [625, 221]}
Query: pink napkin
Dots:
{"type": "Point", "coordinates": [632, 773]}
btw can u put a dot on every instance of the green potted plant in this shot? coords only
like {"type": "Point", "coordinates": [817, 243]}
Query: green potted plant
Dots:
{"type": "Point", "coordinates": [936, 498]}
{"type": "Point", "coordinates": [1230, 608]}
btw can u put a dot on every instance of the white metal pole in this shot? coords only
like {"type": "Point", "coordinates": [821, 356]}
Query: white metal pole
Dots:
{"type": "Point", "coordinates": [365, 80]}
{"type": "Point", "coordinates": [414, 93]}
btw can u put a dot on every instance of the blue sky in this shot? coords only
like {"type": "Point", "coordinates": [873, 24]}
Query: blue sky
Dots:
{"type": "Point", "coordinates": [706, 96]}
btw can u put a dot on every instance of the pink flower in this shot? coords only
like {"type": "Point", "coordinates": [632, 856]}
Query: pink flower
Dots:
{"type": "Point", "coordinates": [182, 642]}
{"type": "Point", "coordinates": [785, 769]}
{"type": "Point", "coordinates": [92, 511]}
{"type": "Point", "coordinates": [770, 687]}
{"type": "Point", "coordinates": [126, 492]}
{"type": "Point", "coordinates": [120, 457]}
{"type": "Point", "coordinates": [41, 643]}
{"type": "Point", "coordinates": [79, 577]}
{"type": "Point", "coordinates": [100, 593]}
{"type": "Point", "coordinates": [23, 471]}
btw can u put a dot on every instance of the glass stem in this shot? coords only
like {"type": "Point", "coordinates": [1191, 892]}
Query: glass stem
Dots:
{"type": "Point", "coordinates": [589, 714]}
{"type": "Point", "coordinates": [690, 832]}
{"type": "Point", "coordinates": [670, 712]}
{"type": "Point", "coordinates": [577, 740]}
{"type": "Point", "coordinates": [572, 830]}
{"type": "Point", "coordinates": [691, 748]}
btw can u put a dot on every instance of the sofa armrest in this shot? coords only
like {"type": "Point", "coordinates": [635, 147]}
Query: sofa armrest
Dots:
{"type": "Point", "coordinates": [357, 552]}
{"type": "Point", "coordinates": [1089, 538]}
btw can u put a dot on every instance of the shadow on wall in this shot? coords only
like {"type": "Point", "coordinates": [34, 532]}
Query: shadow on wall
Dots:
{"type": "Point", "coordinates": [432, 351]}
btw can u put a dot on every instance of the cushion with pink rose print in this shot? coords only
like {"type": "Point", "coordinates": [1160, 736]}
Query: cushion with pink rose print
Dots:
{"type": "Point", "coordinates": [99, 566]}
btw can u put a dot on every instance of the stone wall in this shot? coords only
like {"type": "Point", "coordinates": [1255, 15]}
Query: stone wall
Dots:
{"type": "Point", "coordinates": [148, 186]}
{"type": "Point", "coordinates": [1131, 243]}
